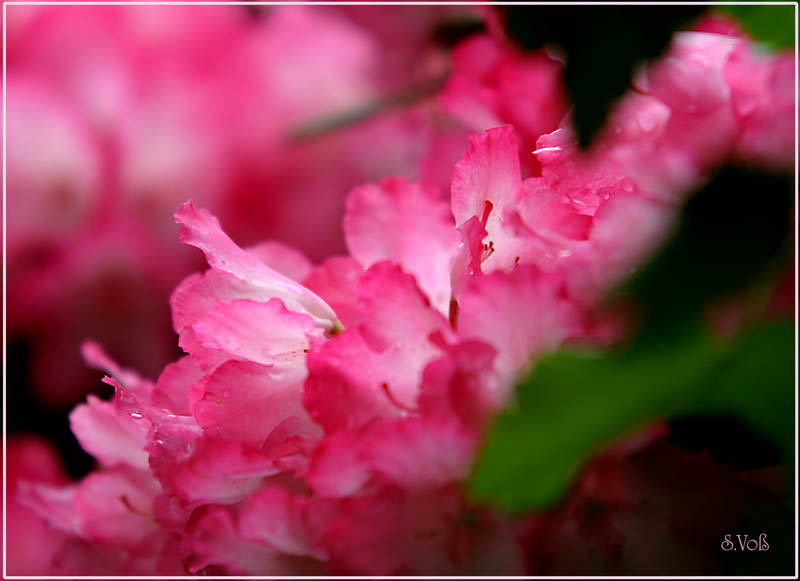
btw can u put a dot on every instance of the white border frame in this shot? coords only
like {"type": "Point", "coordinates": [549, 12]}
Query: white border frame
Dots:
{"type": "Point", "coordinates": [410, 3]}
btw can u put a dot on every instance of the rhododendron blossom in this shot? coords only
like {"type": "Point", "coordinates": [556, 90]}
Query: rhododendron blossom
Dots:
{"type": "Point", "coordinates": [325, 417]}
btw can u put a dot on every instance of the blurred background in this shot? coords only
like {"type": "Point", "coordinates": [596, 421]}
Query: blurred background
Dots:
{"type": "Point", "coordinates": [267, 116]}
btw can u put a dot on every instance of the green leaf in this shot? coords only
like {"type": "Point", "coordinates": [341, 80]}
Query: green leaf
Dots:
{"type": "Point", "coordinates": [772, 25]}
{"type": "Point", "coordinates": [602, 45]}
{"type": "Point", "coordinates": [753, 383]}
{"type": "Point", "coordinates": [734, 228]}
{"type": "Point", "coordinates": [574, 404]}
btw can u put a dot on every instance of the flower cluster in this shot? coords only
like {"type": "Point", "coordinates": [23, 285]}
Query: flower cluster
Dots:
{"type": "Point", "coordinates": [117, 114]}
{"type": "Point", "coordinates": [325, 416]}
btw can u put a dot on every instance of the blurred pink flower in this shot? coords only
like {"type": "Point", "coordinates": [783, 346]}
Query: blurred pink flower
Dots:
{"type": "Point", "coordinates": [33, 545]}
{"type": "Point", "coordinates": [117, 114]}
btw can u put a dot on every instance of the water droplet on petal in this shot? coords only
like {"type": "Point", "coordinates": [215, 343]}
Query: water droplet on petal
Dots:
{"type": "Point", "coordinates": [627, 185]}
{"type": "Point", "coordinates": [548, 154]}
{"type": "Point", "coordinates": [648, 123]}
{"type": "Point", "coordinates": [136, 415]}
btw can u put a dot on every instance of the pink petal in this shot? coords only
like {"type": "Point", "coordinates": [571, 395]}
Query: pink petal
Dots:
{"type": "Point", "coordinates": [55, 504]}
{"type": "Point", "coordinates": [394, 533]}
{"type": "Point", "coordinates": [96, 357]}
{"type": "Point", "coordinates": [201, 469]}
{"type": "Point", "coordinates": [213, 545]}
{"type": "Point", "coordinates": [402, 222]}
{"type": "Point", "coordinates": [335, 281]}
{"type": "Point", "coordinates": [109, 434]}
{"type": "Point", "coordinates": [413, 453]}
{"type": "Point", "coordinates": [344, 385]}
{"type": "Point", "coordinates": [279, 519]}
{"type": "Point", "coordinates": [115, 508]}
{"type": "Point", "coordinates": [172, 388]}
{"type": "Point", "coordinates": [421, 453]}
{"type": "Point", "coordinates": [485, 182]}
{"type": "Point", "coordinates": [199, 228]}
{"type": "Point", "coordinates": [521, 314]}
{"type": "Point", "coordinates": [265, 333]}
{"type": "Point", "coordinates": [489, 171]}
{"type": "Point", "coordinates": [462, 384]}
{"type": "Point", "coordinates": [245, 401]}
{"type": "Point", "coordinates": [282, 258]}
{"type": "Point", "coordinates": [375, 369]}
{"type": "Point", "coordinates": [337, 467]}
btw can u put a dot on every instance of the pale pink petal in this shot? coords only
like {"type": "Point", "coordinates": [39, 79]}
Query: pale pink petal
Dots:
{"type": "Point", "coordinates": [402, 222]}
{"type": "Point", "coordinates": [54, 504]}
{"type": "Point", "coordinates": [521, 314]}
{"type": "Point", "coordinates": [420, 453]}
{"type": "Point", "coordinates": [489, 171]}
{"type": "Point", "coordinates": [265, 333]}
{"type": "Point", "coordinates": [245, 401]}
{"type": "Point", "coordinates": [283, 258]}
{"type": "Point", "coordinates": [199, 293]}
{"type": "Point", "coordinates": [485, 183]}
{"type": "Point", "coordinates": [201, 469]}
{"type": "Point", "coordinates": [96, 357]}
{"type": "Point", "coordinates": [279, 519]}
{"type": "Point", "coordinates": [337, 466]}
{"type": "Point", "coordinates": [413, 453]}
{"type": "Point", "coordinates": [609, 258]}
{"type": "Point", "coordinates": [115, 508]}
{"type": "Point", "coordinates": [172, 388]}
{"type": "Point", "coordinates": [199, 228]}
{"type": "Point", "coordinates": [109, 434]}
{"type": "Point", "coordinates": [550, 214]}
{"type": "Point", "coordinates": [335, 281]}
{"type": "Point", "coordinates": [212, 545]}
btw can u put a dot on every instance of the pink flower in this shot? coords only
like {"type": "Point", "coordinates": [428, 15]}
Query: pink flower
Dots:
{"type": "Point", "coordinates": [325, 417]}
{"type": "Point", "coordinates": [32, 544]}
{"type": "Point", "coordinates": [492, 83]}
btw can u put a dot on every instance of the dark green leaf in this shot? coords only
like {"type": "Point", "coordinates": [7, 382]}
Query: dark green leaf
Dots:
{"type": "Point", "coordinates": [771, 25]}
{"type": "Point", "coordinates": [727, 234]}
{"type": "Point", "coordinates": [574, 403]}
{"type": "Point", "coordinates": [602, 45]}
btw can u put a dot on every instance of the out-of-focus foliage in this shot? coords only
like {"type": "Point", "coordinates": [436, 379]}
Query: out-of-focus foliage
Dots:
{"type": "Point", "coordinates": [769, 24]}
{"type": "Point", "coordinates": [573, 403]}
{"type": "Point", "coordinates": [601, 45]}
